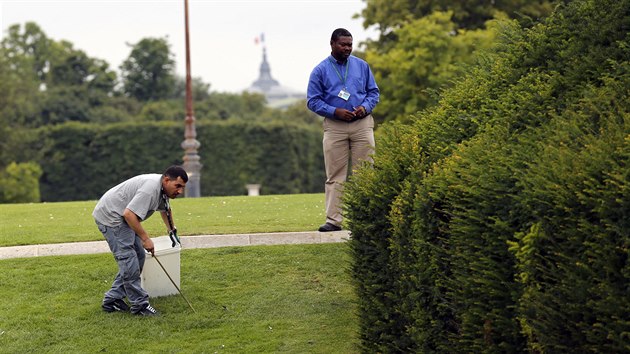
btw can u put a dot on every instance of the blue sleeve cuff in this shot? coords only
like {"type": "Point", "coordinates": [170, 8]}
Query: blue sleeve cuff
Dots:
{"type": "Point", "coordinates": [330, 113]}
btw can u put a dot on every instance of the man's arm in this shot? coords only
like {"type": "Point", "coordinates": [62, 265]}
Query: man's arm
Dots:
{"type": "Point", "coordinates": [373, 93]}
{"type": "Point", "coordinates": [134, 223]}
{"type": "Point", "coordinates": [166, 222]}
{"type": "Point", "coordinates": [315, 94]}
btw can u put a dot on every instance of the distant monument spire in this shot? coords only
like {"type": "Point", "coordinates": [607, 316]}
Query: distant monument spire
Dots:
{"type": "Point", "coordinates": [276, 95]}
{"type": "Point", "coordinates": [265, 81]}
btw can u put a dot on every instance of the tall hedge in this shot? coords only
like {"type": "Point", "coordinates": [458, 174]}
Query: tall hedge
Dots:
{"type": "Point", "coordinates": [81, 161]}
{"type": "Point", "coordinates": [573, 258]}
{"type": "Point", "coordinates": [498, 221]}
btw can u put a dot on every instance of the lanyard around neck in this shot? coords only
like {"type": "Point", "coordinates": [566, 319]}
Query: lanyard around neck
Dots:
{"type": "Point", "coordinates": [167, 205]}
{"type": "Point", "coordinates": [343, 80]}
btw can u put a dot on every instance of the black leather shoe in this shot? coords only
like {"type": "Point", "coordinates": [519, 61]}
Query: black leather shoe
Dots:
{"type": "Point", "coordinates": [327, 227]}
{"type": "Point", "coordinates": [116, 305]}
{"type": "Point", "coordinates": [147, 310]}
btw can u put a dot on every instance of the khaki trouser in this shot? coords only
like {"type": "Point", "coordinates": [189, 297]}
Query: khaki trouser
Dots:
{"type": "Point", "coordinates": [340, 140]}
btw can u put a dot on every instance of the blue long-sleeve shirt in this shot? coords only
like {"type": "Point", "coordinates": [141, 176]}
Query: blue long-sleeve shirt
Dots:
{"type": "Point", "coordinates": [327, 80]}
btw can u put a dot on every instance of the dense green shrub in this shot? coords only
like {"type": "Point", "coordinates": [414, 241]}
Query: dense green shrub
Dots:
{"type": "Point", "coordinates": [411, 250]}
{"type": "Point", "coordinates": [284, 158]}
{"type": "Point", "coordinates": [19, 183]}
{"type": "Point", "coordinates": [372, 192]}
{"type": "Point", "coordinates": [477, 187]}
{"type": "Point", "coordinates": [81, 161]}
{"type": "Point", "coordinates": [573, 259]}
{"type": "Point", "coordinates": [498, 222]}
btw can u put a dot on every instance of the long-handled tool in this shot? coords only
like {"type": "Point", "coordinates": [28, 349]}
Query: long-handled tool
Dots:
{"type": "Point", "coordinates": [175, 240]}
{"type": "Point", "coordinates": [173, 282]}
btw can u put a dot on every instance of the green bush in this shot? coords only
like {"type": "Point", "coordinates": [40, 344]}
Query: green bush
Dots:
{"type": "Point", "coordinates": [410, 251]}
{"type": "Point", "coordinates": [498, 222]}
{"type": "Point", "coordinates": [19, 183]}
{"type": "Point", "coordinates": [573, 258]}
{"type": "Point", "coordinates": [284, 158]}
{"type": "Point", "coordinates": [366, 205]}
{"type": "Point", "coordinates": [81, 161]}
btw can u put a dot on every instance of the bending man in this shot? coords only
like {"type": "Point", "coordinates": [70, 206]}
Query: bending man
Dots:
{"type": "Point", "coordinates": [118, 215]}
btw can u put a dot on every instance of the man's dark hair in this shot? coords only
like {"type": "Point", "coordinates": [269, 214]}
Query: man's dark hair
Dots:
{"type": "Point", "coordinates": [340, 32]}
{"type": "Point", "coordinates": [176, 171]}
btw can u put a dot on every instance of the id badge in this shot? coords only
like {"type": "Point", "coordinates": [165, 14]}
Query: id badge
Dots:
{"type": "Point", "coordinates": [344, 94]}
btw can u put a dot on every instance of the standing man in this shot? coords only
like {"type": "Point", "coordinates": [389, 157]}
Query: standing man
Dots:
{"type": "Point", "coordinates": [342, 90]}
{"type": "Point", "coordinates": [118, 215]}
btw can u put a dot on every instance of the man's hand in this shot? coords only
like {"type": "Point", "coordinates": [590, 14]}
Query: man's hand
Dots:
{"type": "Point", "coordinates": [134, 223]}
{"type": "Point", "coordinates": [148, 245]}
{"type": "Point", "coordinates": [360, 112]}
{"type": "Point", "coordinates": [344, 114]}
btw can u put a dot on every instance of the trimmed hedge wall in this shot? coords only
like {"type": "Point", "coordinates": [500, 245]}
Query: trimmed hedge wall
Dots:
{"type": "Point", "coordinates": [500, 220]}
{"type": "Point", "coordinates": [81, 161]}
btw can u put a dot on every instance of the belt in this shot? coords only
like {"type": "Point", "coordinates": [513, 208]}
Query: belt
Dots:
{"type": "Point", "coordinates": [352, 120]}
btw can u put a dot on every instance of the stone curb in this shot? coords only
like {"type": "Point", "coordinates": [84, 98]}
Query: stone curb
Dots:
{"type": "Point", "coordinates": [201, 241]}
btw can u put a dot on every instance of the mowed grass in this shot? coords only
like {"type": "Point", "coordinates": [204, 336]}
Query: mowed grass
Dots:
{"type": "Point", "coordinates": [263, 299]}
{"type": "Point", "coordinates": [41, 223]}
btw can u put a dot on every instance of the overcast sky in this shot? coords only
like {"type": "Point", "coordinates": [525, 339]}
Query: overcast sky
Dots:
{"type": "Point", "coordinates": [222, 33]}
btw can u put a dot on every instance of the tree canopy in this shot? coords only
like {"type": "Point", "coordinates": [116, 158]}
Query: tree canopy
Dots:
{"type": "Point", "coordinates": [388, 15]}
{"type": "Point", "coordinates": [47, 82]}
{"type": "Point", "coordinates": [423, 45]}
{"type": "Point", "coordinates": [148, 73]}
{"type": "Point", "coordinates": [52, 95]}
{"type": "Point", "coordinates": [428, 54]}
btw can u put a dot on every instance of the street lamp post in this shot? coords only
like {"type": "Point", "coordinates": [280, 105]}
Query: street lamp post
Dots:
{"type": "Point", "coordinates": [190, 143]}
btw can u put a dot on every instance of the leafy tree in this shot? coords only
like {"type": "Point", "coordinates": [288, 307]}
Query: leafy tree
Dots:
{"type": "Point", "coordinates": [148, 72]}
{"type": "Point", "coordinates": [113, 109]}
{"type": "Point", "coordinates": [163, 110]}
{"type": "Point", "coordinates": [216, 106]}
{"type": "Point", "coordinates": [54, 63]}
{"type": "Point", "coordinates": [75, 85]}
{"type": "Point", "coordinates": [19, 183]}
{"type": "Point", "coordinates": [31, 44]}
{"type": "Point", "coordinates": [19, 90]}
{"type": "Point", "coordinates": [200, 89]}
{"type": "Point", "coordinates": [73, 67]}
{"type": "Point", "coordinates": [68, 66]}
{"type": "Point", "coordinates": [49, 82]}
{"type": "Point", "coordinates": [388, 15]}
{"type": "Point", "coordinates": [109, 113]}
{"type": "Point", "coordinates": [65, 103]}
{"type": "Point", "coordinates": [427, 56]}
{"type": "Point", "coordinates": [421, 49]}
{"type": "Point", "coordinates": [23, 66]}
{"type": "Point", "coordinates": [224, 106]}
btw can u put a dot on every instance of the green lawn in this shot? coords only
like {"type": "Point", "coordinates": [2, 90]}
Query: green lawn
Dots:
{"type": "Point", "coordinates": [263, 299]}
{"type": "Point", "coordinates": [27, 224]}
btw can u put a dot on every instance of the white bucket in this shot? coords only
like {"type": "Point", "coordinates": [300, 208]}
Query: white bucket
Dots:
{"type": "Point", "coordinates": [153, 278]}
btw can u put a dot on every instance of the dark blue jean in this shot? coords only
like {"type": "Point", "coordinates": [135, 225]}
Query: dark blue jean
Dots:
{"type": "Point", "coordinates": [130, 255]}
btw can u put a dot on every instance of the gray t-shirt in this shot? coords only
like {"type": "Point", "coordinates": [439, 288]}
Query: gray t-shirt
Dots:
{"type": "Point", "coordinates": [141, 194]}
